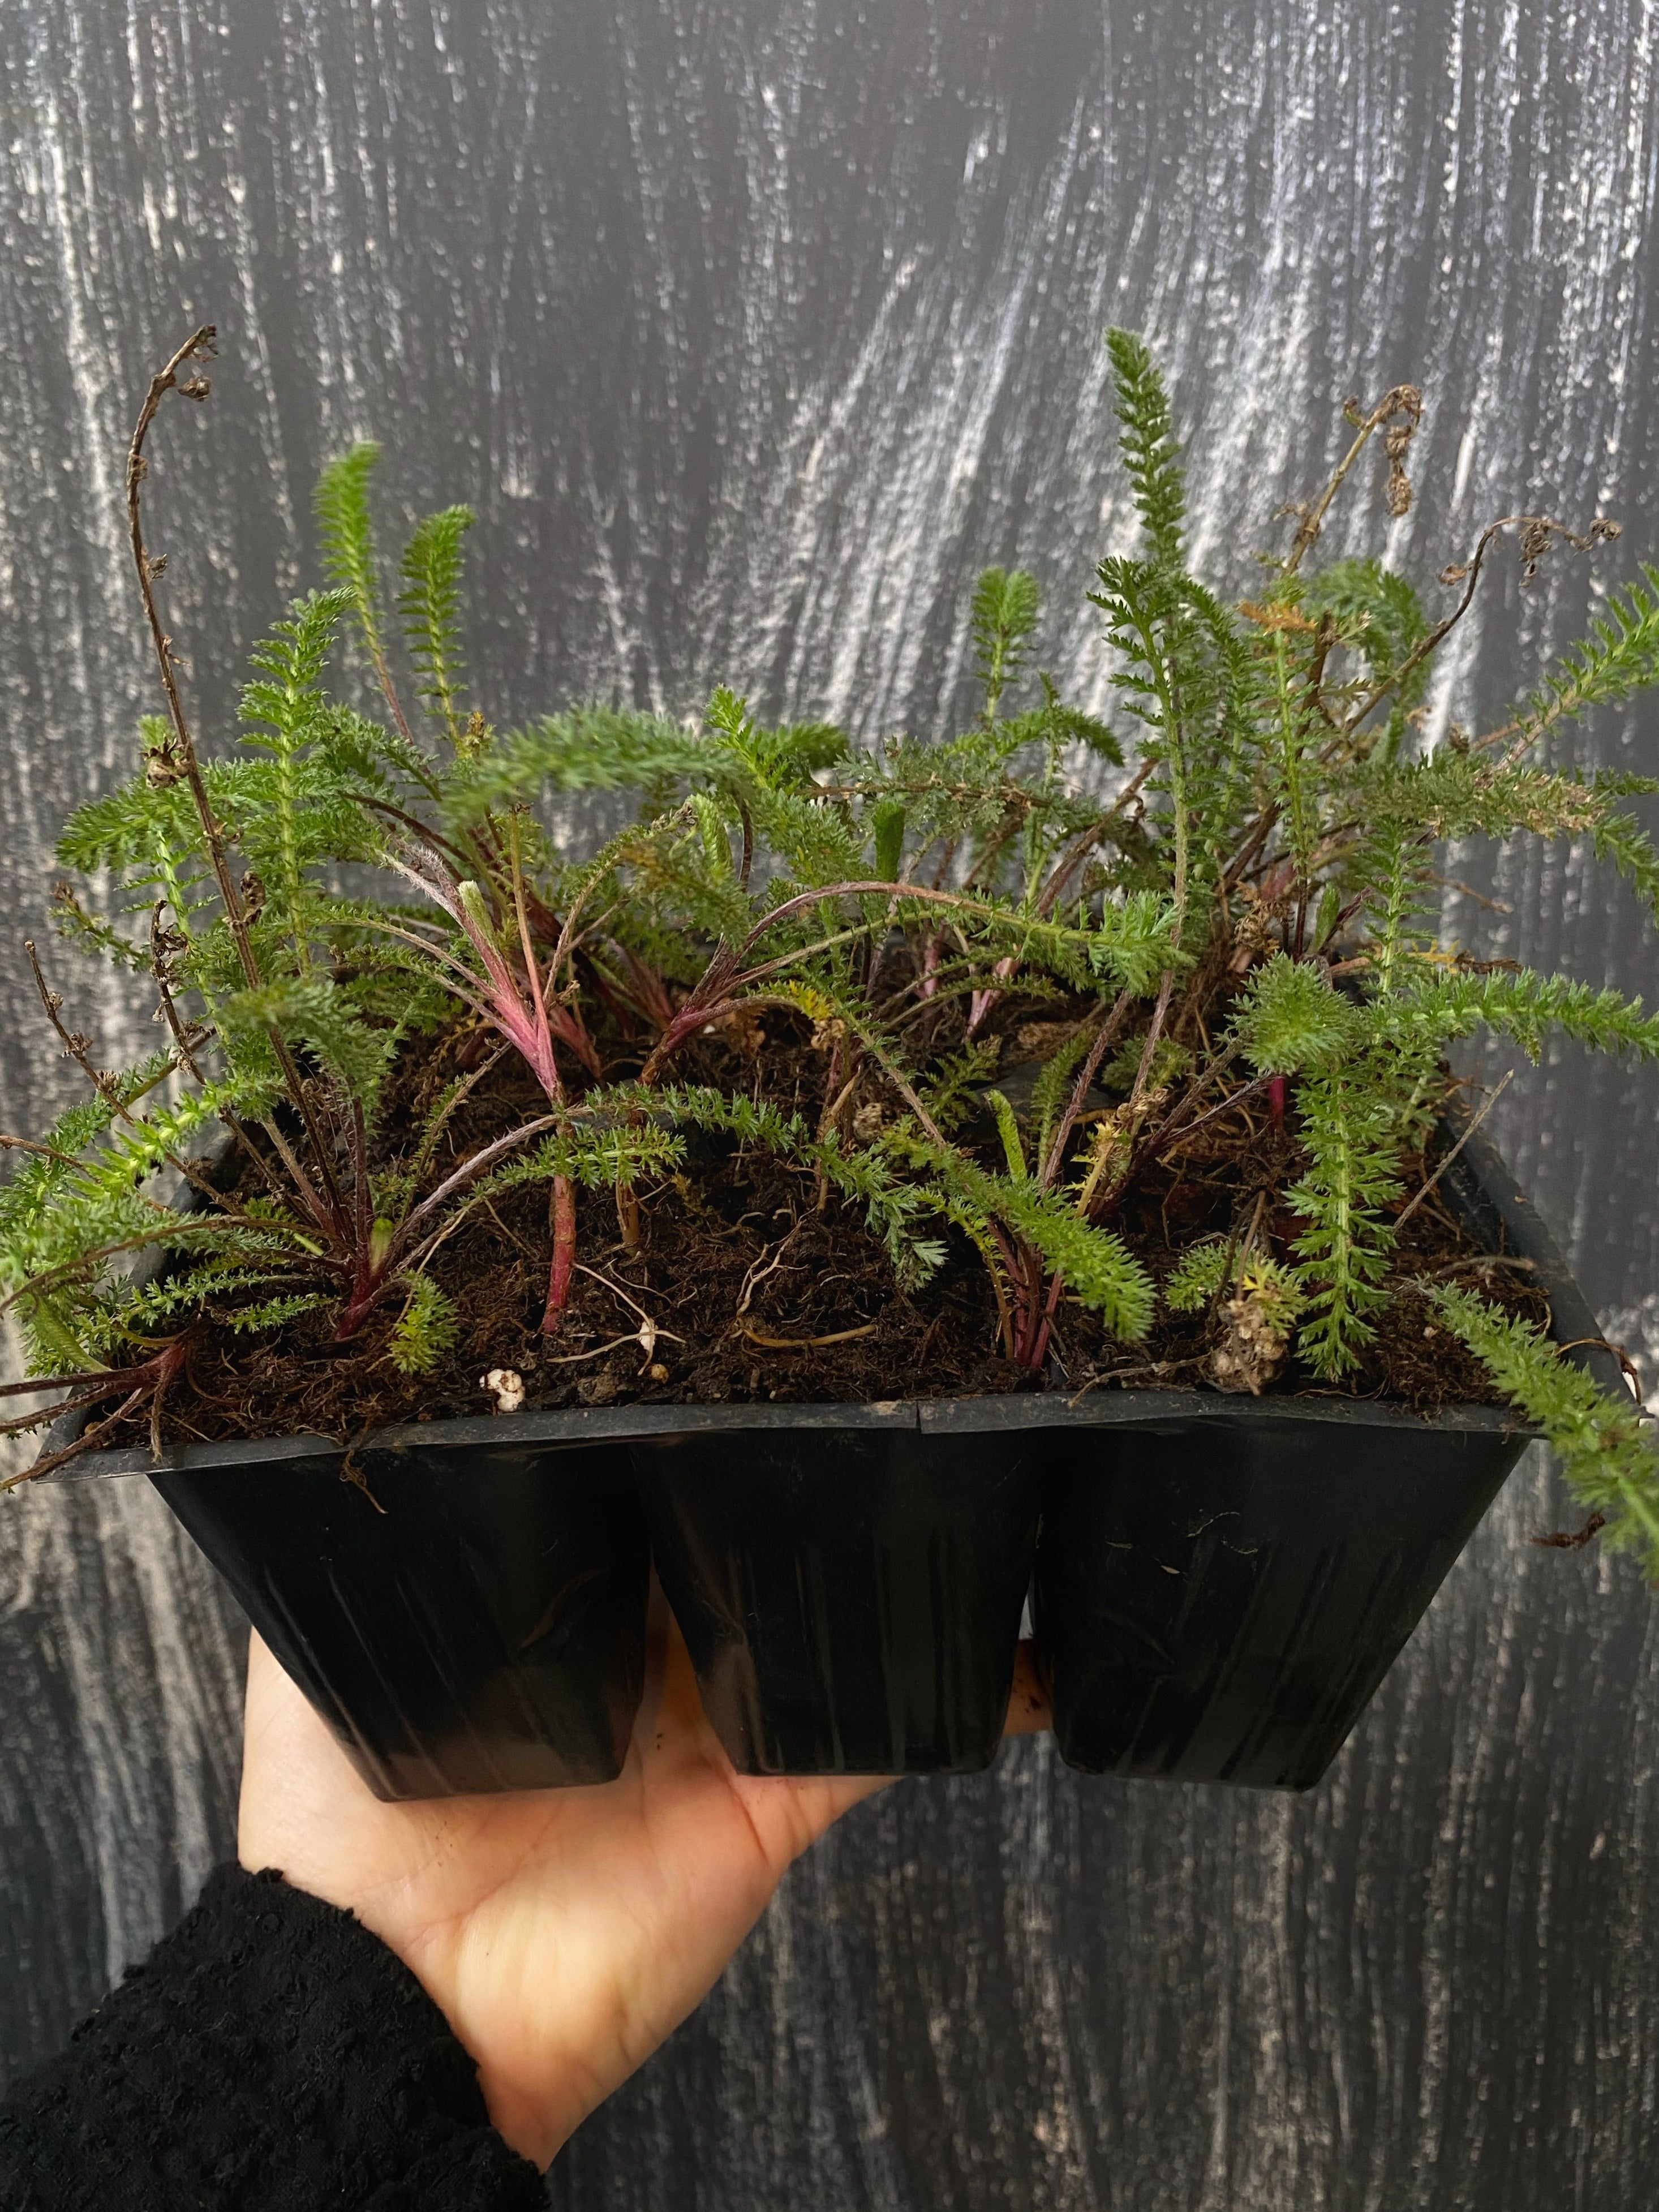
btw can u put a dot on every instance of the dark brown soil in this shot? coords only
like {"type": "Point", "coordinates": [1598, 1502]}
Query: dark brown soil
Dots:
{"type": "Point", "coordinates": [742, 1286]}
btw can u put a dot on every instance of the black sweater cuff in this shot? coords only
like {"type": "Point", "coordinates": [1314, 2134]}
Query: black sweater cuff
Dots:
{"type": "Point", "coordinates": [269, 2054]}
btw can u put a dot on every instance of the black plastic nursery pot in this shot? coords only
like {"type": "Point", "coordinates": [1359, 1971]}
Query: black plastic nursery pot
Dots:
{"type": "Point", "coordinates": [464, 1602]}
{"type": "Point", "coordinates": [849, 1582]}
{"type": "Point", "coordinates": [1220, 1592]}
{"type": "Point", "coordinates": [1220, 1585]}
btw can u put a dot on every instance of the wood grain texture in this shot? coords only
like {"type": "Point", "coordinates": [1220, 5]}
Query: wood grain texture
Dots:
{"type": "Point", "coordinates": [752, 328]}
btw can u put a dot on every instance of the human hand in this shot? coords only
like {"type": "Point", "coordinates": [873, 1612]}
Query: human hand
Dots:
{"type": "Point", "coordinates": [563, 1933]}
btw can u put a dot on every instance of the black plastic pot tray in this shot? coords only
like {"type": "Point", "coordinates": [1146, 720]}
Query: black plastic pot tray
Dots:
{"type": "Point", "coordinates": [1220, 1585]}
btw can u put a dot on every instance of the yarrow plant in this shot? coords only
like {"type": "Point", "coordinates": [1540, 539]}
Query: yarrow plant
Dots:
{"type": "Point", "coordinates": [978, 997]}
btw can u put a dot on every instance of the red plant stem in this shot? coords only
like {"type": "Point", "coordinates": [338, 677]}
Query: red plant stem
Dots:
{"type": "Point", "coordinates": [564, 1254]}
{"type": "Point", "coordinates": [476, 1165]}
{"type": "Point", "coordinates": [1033, 1327]}
{"type": "Point", "coordinates": [567, 1026]}
{"type": "Point", "coordinates": [532, 1029]}
{"type": "Point", "coordinates": [538, 1049]}
{"type": "Point", "coordinates": [1055, 1286]}
{"type": "Point", "coordinates": [365, 1290]}
{"type": "Point", "coordinates": [1011, 1268]}
{"type": "Point", "coordinates": [721, 982]}
{"type": "Point", "coordinates": [369, 1276]}
{"type": "Point", "coordinates": [651, 996]}
{"type": "Point", "coordinates": [1276, 1099]}
{"type": "Point", "coordinates": [148, 1380]}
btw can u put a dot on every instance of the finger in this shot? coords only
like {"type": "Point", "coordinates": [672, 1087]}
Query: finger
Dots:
{"type": "Point", "coordinates": [277, 1716]}
{"type": "Point", "coordinates": [297, 1784]}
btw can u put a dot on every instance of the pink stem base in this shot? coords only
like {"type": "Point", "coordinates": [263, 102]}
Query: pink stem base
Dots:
{"type": "Point", "coordinates": [564, 1254]}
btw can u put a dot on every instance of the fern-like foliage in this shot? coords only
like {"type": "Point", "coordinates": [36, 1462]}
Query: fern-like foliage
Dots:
{"type": "Point", "coordinates": [1290, 1017]}
{"type": "Point", "coordinates": [424, 1331]}
{"type": "Point", "coordinates": [1605, 1448]}
{"type": "Point", "coordinates": [94, 1198]}
{"type": "Point", "coordinates": [1352, 1176]}
{"type": "Point", "coordinates": [1375, 616]}
{"type": "Point", "coordinates": [302, 810]}
{"type": "Point", "coordinates": [1526, 1007]}
{"type": "Point", "coordinates": [1005, 613]}
{"type": "Point", "coordinates": [1619, 658]}
{"type": "Point", "coordinates": [347, 530]}
{"type": "Point", "coordinates": [1188, 678]}
{"type": "Point", "coordinates": [1150, 455]}
{"type": "Point", "coordinates": [429, 606]}
{"type": "Point", "coordinates": [1102, 1272]}
{"type": "Point", "coordinates": [314, 1012]}
{"type": "Point", "coordinates": [1217, 1268]}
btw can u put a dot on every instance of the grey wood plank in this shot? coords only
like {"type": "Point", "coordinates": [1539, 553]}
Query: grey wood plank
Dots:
{"type": "Point", "coordinates": [752, 328]}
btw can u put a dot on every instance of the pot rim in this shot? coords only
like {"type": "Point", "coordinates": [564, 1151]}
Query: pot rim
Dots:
{"type": "Point", "coordinates": [579, 1425]}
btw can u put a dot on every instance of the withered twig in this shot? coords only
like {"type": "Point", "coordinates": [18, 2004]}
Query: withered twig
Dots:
{"type": "Point", "coordinates": [1402, 1218]}
{"type": "Point", "coordinates": [179, 757]}
{"type": "Point", "coordinates": [806, 1343]}
{"type": "Point", "coordinates": [1405, 399]}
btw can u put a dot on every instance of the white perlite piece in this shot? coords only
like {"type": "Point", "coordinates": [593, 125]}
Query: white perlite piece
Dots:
{"type": "Point", "coordinates": [507, 1384]}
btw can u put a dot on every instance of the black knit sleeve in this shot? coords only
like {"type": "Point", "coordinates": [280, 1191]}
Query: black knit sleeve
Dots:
{"type": "Point", "coordinates": [271, 2056]}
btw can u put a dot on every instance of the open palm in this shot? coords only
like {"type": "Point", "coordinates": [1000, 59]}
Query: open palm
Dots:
{"type": "Point", "coordinates": [563, 1933]}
